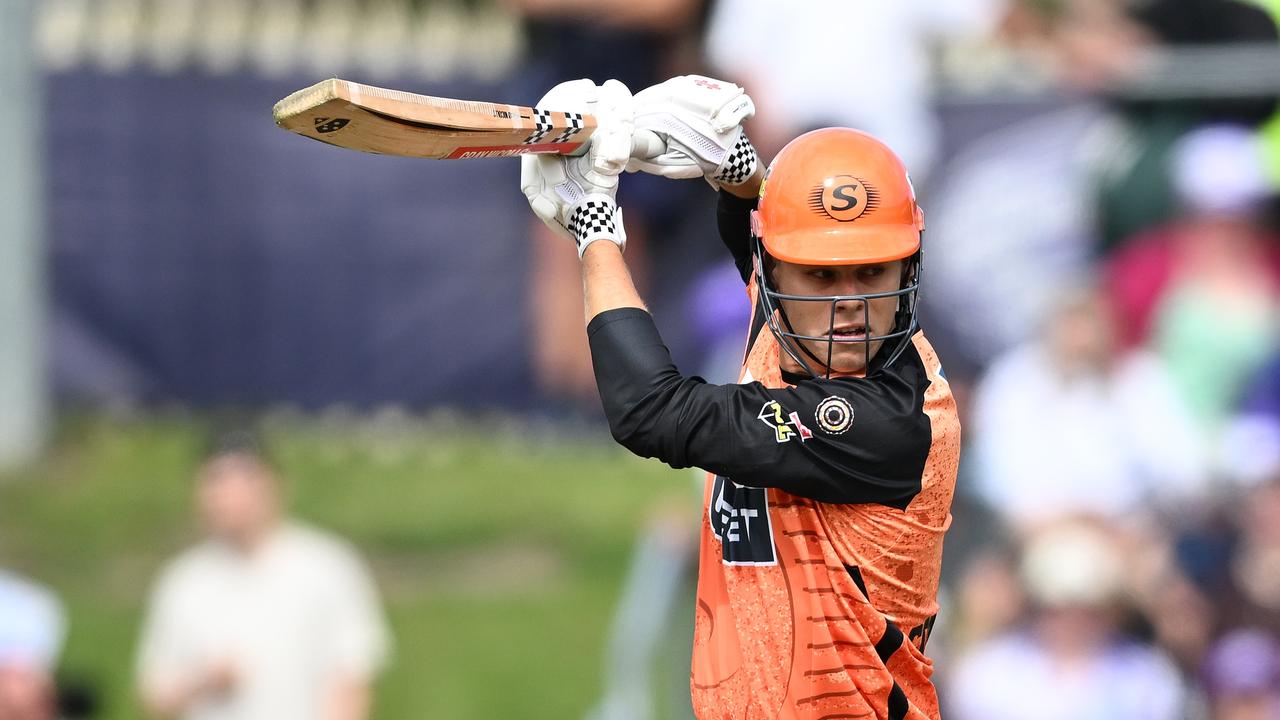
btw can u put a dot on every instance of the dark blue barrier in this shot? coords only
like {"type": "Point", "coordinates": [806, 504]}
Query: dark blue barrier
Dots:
{"type": "Point", "coordinates": [201, 255]}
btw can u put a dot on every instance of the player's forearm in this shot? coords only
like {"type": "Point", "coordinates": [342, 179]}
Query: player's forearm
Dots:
{"type": "Point", "coordinates": [606, 281]}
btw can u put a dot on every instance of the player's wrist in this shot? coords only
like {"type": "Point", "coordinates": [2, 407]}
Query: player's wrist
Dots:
{"type": "Point", "coordinates": [594, 250]}
{"type": "Point", "coordinates": [594, 218]}
{"type": "Point", "coordinates": [739, 169]}
{"type": "Point", "coordinates": [749, 189]}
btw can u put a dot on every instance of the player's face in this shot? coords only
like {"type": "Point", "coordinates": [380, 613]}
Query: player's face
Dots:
{"type": "Point", "coordinates": [237, 498]}
{"type": "Point", "coordinates": [851, 320]}
{"type": "Point", "coordinates": [25, 694]}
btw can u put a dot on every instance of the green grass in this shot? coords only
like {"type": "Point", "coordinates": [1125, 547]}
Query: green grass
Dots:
{"type": "Point", "coordinates": [500, 551]}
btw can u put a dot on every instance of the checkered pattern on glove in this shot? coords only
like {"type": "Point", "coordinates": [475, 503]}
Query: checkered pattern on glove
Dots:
{"type": "Point", "coordinates": [597, 217]}
{"type": "Point", "coordinates": [739, 164]}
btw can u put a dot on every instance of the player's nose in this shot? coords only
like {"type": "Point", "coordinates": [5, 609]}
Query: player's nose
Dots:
{"type": "Point", "coordinates": [849, 307]}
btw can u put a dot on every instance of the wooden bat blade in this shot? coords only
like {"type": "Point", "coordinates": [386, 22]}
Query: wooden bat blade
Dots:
{"type": "Point", "coordinates": [392, 122]}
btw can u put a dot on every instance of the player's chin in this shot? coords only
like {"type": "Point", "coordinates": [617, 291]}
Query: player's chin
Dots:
{"type": "Point", "coordinates": [845, 358]}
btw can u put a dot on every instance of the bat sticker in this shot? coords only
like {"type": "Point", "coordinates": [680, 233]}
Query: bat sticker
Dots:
{"type": "Point", "coordinates": [325, 125]}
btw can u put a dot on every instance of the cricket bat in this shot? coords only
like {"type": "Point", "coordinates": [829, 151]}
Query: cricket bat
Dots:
{"type": "Point", "coordinates": [392, 122]}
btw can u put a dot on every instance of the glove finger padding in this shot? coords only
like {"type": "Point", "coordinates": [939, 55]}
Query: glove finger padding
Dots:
{"type": "Point", "coordinates": [571, 96]}
{"type": "Point", "coordinates": [722, 105]}
{"type": "Point", "coordinates": [675, 163]}
{"type": "Point", "coordinates": [611, 143]}
{"type": "Point", "coordinates": [574, 197]}
{"type": "Point", "coordinates": [539, 176]}
{"type": "Point", "coordinates": [699, 119]}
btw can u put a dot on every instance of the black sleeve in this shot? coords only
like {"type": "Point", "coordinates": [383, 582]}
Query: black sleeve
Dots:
{"type": "Point", "coordinates": [839, 441]}
{"type": "Point", "coordinates": [733, 216]}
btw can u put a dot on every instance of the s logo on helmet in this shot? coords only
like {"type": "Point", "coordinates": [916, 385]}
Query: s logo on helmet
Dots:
{"type": "Point", "coordinates": [843, 198]}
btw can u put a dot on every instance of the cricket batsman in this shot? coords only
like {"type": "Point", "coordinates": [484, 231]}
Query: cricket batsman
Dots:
{"type": "Point", "coordinates": [831, 465]}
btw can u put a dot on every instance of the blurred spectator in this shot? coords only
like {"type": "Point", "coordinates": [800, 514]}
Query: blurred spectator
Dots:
{"type": "Point", "coordinates": [988, 600]}
{"type": "Point", "coordinates": [32, 628]}
{"type": "Point", "coordinates": [1070, 661]}
{"type": "Point", "coordinates": [1216, 267]}
{"type": "Point", "coordinates": [1246, 586]}
{"type": "Point", "coordinates": [1136, 190]}
{"type": "Point", "coordinates": [1067, 425]}
{"type": "Point", "coordinates": [264, 620]}
{"type": "Point", "coordinates": [1025, 211]}
{"type": "Point", "coordinates": [865, 65]}
{"type": "Point", "coordinates": [1242, 676]}
{"type": "Point", "coordinates": [1221, 188]}
{"type": "Point", "coordinates": [1251, 444]}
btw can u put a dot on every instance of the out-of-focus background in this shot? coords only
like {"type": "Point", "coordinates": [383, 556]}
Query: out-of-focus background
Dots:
{"type": "Point", "coordinates": [404, 344]}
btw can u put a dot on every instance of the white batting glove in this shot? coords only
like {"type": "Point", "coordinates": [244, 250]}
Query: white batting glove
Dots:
{"type": "Point", "coordinates": [700, 121]}
{"type": "Point", "coordinates": [576, 196]}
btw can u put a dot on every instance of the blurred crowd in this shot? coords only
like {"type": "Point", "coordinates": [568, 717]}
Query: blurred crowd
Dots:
{"type": "Point", "coordinates": [1120, 321]}
{"type": "Point", "coordinates": [1112, 274]}
{"type": "Point", "coordinates": [1102, 279]}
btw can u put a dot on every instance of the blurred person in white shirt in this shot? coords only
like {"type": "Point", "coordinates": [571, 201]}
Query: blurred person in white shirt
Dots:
{"type": "Point", "coordinates": [867, 65]}
{"type": "Point", "coordinates": [32, 627]}
{"type": "Point", "coordinates": [266, 619]}
{"type": "Point", "coordinates": [1068, 424]}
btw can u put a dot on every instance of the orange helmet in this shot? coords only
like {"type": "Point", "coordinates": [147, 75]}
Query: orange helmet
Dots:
{"type": "Point", "coordinates": [838, 196]}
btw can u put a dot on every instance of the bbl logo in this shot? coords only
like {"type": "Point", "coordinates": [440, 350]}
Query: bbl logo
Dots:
{"type": "Point", "coordinates": [843, 198]}
{"type": "Point", "coordinates": [834, 415]}
{"type": "Point", "coordinates": [785, 427]}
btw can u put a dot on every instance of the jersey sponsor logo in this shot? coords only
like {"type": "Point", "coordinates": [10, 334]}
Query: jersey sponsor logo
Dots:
{"type": "Point", "coordinates": [843, 198]}
{"type": "Point", "coordinates": [785, 427]}
{"type": "Point", "coordinates": [834, 415]}
{"type": "Point", "coordinates": [740, 520]}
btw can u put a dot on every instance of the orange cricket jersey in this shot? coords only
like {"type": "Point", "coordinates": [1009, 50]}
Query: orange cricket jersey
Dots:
{"type": "Point", "coordinates": [820, 610]}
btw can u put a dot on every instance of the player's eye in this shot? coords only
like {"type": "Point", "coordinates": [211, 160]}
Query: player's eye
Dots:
{"type": "Point", "coordinates": [822, 273]}
{"type": "Point", "coordinates": [871, 271]}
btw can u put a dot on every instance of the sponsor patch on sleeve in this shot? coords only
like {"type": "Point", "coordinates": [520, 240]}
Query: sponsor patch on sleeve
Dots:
{"type": "Point", "coordinates": [786, 426]}
{"type": "Point", "coordinates": [834, 415]}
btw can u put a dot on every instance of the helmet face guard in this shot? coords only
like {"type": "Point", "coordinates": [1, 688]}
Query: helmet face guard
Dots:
{"type": "Point", "coordinates": [838, 197]}
{"type": "Point", "coordinates": [792, 342]}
